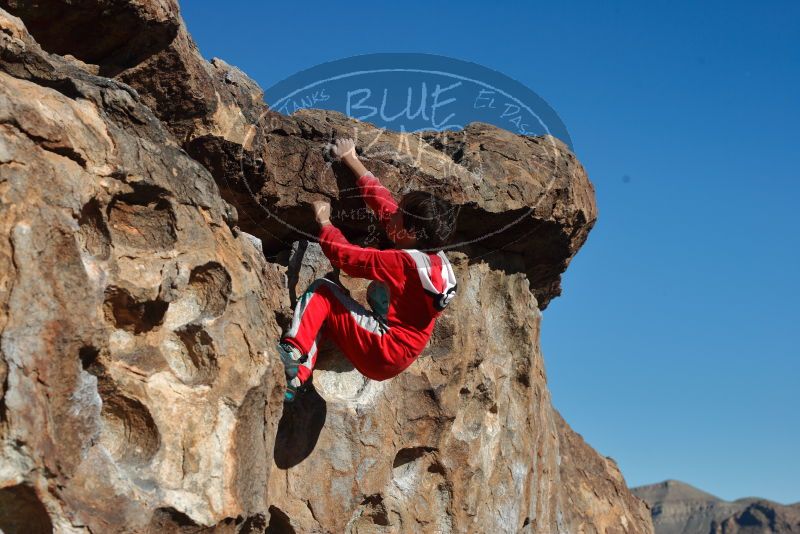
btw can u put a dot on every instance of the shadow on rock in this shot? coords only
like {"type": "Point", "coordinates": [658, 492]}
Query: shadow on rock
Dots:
{"type": "Point", "coordinates": [299, 429]}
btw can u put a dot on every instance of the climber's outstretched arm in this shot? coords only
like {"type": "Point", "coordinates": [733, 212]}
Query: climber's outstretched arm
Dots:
{"type": "Point", "coordinates": [362, 262]}
{"type": "Point", "coordinates": [345, 150]}
{"type": "Point", "coordinates": [377, 197]}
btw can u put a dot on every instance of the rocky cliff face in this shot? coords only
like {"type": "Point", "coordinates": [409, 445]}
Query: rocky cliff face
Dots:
{"type": "Point", "coordinates": [135, 323]}
{"type": "Point", "coordinates": [140, 391]}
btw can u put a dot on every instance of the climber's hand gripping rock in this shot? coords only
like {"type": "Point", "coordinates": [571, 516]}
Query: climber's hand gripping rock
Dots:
{"type": "Point", "coordinates": [343, 148]}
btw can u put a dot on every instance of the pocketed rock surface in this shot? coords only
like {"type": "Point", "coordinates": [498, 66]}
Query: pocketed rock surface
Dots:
{"type": "Point", "coordinates": [134, 322]}
{"type": "Point", "coordinates": [140, 388]}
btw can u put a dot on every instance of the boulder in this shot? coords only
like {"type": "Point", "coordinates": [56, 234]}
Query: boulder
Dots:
{"type": "Point", "coordinates": [525, 204]}
{"type": "Point", "coordinates": [140, 391]}
{"type": "Point", "coordinates": [465, 440]}
{"type": "Point", "coordinates": [112, 34]}
{"type": "Point", "coordinates": [137, 325]}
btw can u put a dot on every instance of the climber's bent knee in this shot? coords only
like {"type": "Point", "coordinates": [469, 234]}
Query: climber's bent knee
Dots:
{"type": "Point", "coordinates": [314, 286]}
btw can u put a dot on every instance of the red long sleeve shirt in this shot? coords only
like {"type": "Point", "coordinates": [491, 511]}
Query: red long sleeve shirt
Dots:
{"type": "Point", "coordinates": [412, 308]}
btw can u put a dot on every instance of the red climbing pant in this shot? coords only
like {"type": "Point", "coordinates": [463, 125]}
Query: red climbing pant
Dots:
{"type": "Point", "coordinates": [361, 334]}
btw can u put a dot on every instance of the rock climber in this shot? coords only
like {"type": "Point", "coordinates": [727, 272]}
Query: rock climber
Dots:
{"type": "Point", "coordinates": [412, 284]}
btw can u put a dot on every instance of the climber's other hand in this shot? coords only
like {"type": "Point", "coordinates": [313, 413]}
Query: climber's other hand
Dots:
{"type": "Point", "coordinates": [343, 148]}
{"type": "Point", "coordinates": [322, 212]}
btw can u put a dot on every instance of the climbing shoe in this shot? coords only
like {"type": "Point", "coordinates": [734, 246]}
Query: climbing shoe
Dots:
{"type": "Point", "coordinates": [291, 357]}
{"type": "Point", "coordinates": [294, 388]}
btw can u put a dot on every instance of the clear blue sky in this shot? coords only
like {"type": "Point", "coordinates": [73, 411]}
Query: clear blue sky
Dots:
{"type": "Point", "coordinates": [674, 348]}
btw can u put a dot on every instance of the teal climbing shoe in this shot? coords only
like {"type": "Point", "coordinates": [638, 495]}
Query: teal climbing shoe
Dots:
{"type": "Point", "coordinates": [294, 388]}
{"type": "Point", "coordinates": [291, 357]}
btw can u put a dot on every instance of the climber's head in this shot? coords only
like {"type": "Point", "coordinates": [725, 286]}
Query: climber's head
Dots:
{"type": "Point", "coordinates": [423, 221]}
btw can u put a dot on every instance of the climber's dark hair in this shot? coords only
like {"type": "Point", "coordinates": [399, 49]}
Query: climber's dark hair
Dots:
{"type": "Point", "coordinates": [431, 218]}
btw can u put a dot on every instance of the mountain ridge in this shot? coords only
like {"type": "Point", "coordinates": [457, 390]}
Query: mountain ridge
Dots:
{"type": "Point", "coordinates": [680, 508]}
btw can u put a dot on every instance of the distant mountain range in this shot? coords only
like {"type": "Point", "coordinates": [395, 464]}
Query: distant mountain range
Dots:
{"type": "Point", "coordinates": [679, 508]}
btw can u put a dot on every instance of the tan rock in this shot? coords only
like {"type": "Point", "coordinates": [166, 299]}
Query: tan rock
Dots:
{"type": "Point", "coordinates": [465, 440]}
{"type": "Point", "coordinates": [135, 323]}
{"type": "Point", "coordinates": [112, 34]}
{"type": "Point", "coordinates": [134, 318]}
{"type": "Point", "coordinates": [525, 204]}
